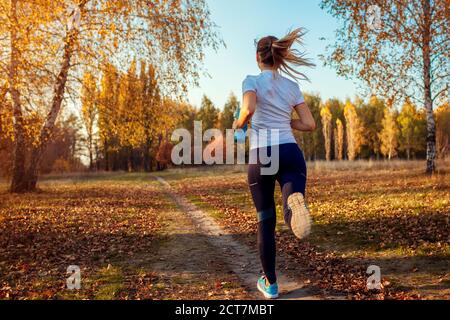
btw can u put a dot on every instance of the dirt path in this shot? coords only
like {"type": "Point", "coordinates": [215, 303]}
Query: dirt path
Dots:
{"type": "Point", "coordinates": [239, 258]}
{"type": "Point", "coordinates": [188, 266]}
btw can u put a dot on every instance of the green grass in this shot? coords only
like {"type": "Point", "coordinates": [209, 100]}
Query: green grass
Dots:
{"type": "Point", "coordinates": [110, 280]}
{"type": "Point", "coordinates": [218, 214]}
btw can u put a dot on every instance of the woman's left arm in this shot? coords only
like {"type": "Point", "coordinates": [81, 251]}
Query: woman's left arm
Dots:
{"type": "Point", "coordinates": [247, 110]}
{"type": "Point", "coordinates": [306, 122]}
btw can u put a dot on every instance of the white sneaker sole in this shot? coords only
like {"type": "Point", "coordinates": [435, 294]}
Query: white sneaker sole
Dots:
{"type": "Point", "coordinates": [267, 295]}
{"type": "Point", "coordinates": [301, 219]}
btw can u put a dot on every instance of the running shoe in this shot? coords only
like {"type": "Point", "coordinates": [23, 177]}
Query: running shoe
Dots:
{"type": "Point", "coordinates": [269, 291]}
{"type": "Point", "coordinates": [301, 219]}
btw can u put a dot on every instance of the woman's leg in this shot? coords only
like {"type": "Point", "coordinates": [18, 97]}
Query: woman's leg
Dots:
{"type": "Point", "coordinates": [292, 175]}
{"type": "Point", "coordinates": [262, 189]}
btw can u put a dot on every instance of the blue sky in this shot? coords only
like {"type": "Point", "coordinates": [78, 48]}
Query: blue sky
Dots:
{"type": "Point", "coordinates": [242, 21]}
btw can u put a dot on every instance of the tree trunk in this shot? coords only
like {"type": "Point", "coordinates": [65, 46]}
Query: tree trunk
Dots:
{"type": "Point", "coordinates": [18, 183]}
{"type": "Point", "coordinates": [58, 95]}
{"type": "Point", "coordinates": [91, 156]}
{"type": "Point", "coordinates": [106, 155]}
{"type": "Point", "coordinates": [91, 159]}
{"type": "Point", "coordinates": [431, 124]}
{"type": "Point", "coordinates": [28, 178]}
{"type": "Point", "coordinates": [130, 159]}
{"type": "Point", "coordinates": [97, 163]}
{"type": "Point", "coordinates": [147, 156]}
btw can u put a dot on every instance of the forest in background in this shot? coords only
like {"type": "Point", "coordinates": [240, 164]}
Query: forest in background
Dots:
{"type": "Point", "coordinates": [104, 81]}
{"type": "Point", "coordinates": [125, 123]}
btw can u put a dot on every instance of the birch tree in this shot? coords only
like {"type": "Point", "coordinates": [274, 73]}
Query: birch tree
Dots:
{"type": "Point", "coordinates": [399, 49]}
{"type": "Point", "coordinates": [411, 128]}
{"type": "Point", "coordinates": [389, 134]}
{"type": "Point", "coordinates": [89, 101]}
{"type": "Point", "coordinates": [327, 129]}
{"type": "Point", "coordinates": [443, 130]}
{"type": "Point", "coordinates": [354, 131]}
{"type": "Point", "coordinates": [45, 46]}
{"type": "Point", "coordinates": [339, 140]}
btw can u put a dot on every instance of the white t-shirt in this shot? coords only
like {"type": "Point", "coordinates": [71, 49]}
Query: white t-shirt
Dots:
{"type": "Point", "coordinates": [276, 96]}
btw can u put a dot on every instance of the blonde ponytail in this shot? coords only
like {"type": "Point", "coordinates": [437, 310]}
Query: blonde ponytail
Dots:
{"type": "Point", "coordinates": [279, 54]}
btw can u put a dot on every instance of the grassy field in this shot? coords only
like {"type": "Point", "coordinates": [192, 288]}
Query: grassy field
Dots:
{"type": "Point", "coordinates": [121, 230]}
{"type": "Point", "coordinates": [383, 213]}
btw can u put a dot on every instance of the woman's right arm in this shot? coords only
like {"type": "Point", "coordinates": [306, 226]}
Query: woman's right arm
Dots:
{"type": "Point", "coordinates": [247, 110]}
{"type": "Point", "coordinates": [306, 123]}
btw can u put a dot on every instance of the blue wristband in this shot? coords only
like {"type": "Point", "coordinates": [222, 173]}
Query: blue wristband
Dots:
{"type": "Point", "coordinates": [240, 135]}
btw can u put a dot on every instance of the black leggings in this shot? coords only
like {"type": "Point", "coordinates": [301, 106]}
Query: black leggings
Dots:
{"type": "Point", "coordinates": [292, 179]}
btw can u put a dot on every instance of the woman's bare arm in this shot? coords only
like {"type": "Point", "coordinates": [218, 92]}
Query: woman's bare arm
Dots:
{"type": "Point", "coordinates": [306, 122]}
{"type": "Point", "coordinates": [248, 108]}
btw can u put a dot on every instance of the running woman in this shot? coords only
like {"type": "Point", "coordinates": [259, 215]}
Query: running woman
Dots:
{"type": "Point", "coordinates": [269, 100]}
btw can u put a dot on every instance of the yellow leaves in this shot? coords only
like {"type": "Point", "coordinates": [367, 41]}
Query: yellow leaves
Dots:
{"type": "Point", "coordinates": [339, 140]}
{"type": "Point", "coordinates": [443, 129]}
{"type": "Point", "coordinates": [112, 28]}
{"type": "Point", "coordinates": [327, 129]}
{"type": "Point", "coordinates": [6, 117]}
{"type": "Point", "coordinates": [169, 33]}
{"type": "Point", "coordinates": [355, 129]}
{"type": "Point", "coordinates": [389, 135]}
{"type": "Point", "coordinates": [103, 33]}
{"type": "Point", "coordinates": [359, 213]}
{"type": "Point", "coordinates": [325, 113]}
{"type": "Point", "coordinates": [37, 245]}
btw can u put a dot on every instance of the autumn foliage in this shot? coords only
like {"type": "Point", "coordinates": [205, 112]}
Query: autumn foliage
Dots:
{"type": "Point", "coordinates": [47, 46]}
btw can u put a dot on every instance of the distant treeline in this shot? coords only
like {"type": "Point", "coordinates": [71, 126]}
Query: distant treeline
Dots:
{"type": "Point", "coordinates": [125, 123]}
{"type": "Point", "coordinates": [358, 129]}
